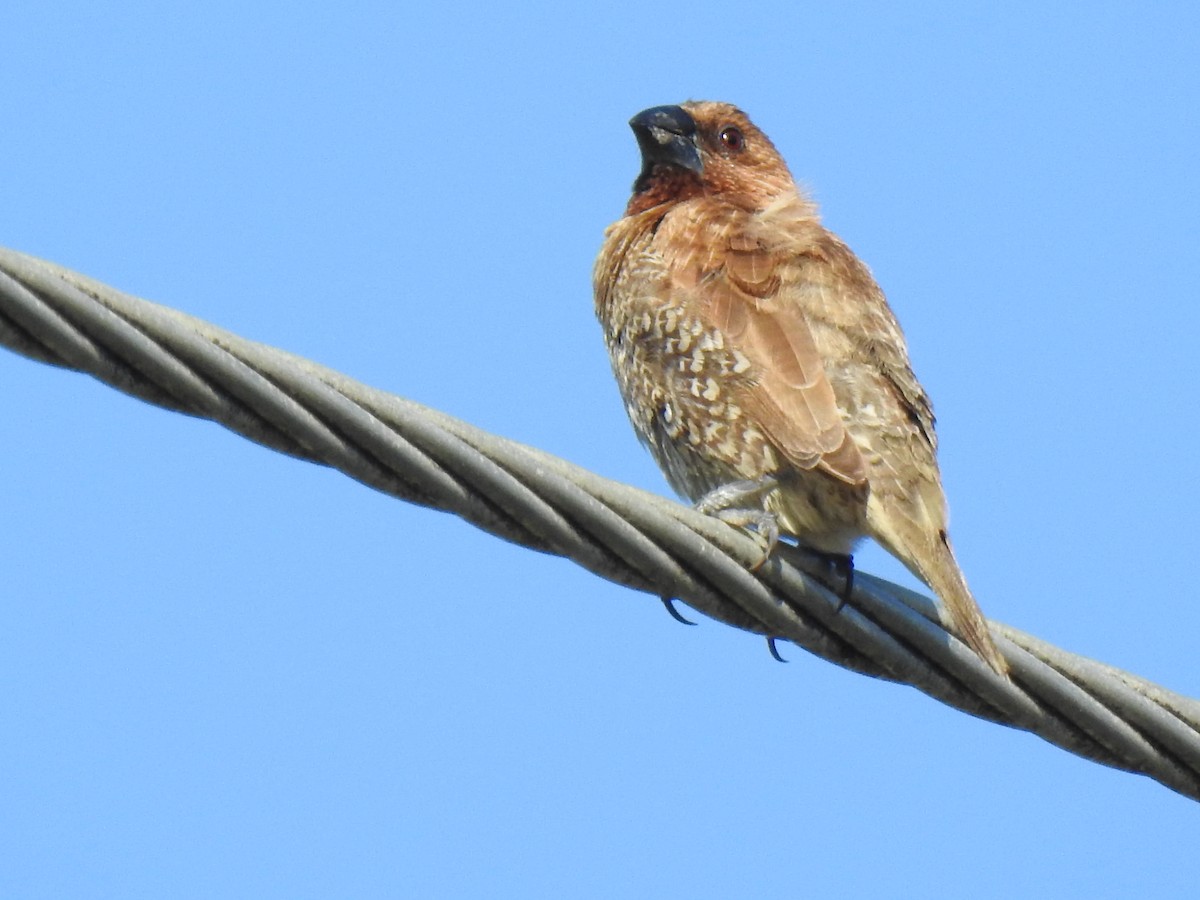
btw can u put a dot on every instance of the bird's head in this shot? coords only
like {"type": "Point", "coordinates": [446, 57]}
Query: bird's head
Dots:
{"type": "Point", "coordinates": [706, 148]}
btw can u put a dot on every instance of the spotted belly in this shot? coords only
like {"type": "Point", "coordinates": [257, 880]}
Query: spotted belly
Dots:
{"type": "Point", "coordinates": [678, 380]}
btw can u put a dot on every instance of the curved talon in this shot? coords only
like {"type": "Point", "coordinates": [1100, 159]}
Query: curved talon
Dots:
{"type": "Point", "coordinates": [844, 566]}
{"type": "Point", "coordinates": [774, 650]}
{"type": "Point", "coordinates": [669, 603]}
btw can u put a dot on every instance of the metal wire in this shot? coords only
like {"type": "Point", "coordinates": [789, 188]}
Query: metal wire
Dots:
{"type": "Point", "coordinates": [620, 533]}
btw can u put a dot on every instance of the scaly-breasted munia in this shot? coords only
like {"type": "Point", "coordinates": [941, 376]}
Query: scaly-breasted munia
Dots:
{"type": "Point", "coordinates": [753, 348]}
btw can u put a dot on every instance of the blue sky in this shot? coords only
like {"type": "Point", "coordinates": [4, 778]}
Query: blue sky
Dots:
{"type": "Point", "coordinates": [229, 673]}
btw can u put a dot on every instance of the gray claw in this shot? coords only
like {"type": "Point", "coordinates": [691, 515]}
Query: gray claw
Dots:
{"type": "Point", "coordinates": [669, 603]}
{"type": "Point", "coordinates": [774, 650]}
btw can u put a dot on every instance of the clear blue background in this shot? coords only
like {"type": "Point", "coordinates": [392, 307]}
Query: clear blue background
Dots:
{"type": "Point", "coordinates": [224, 672]}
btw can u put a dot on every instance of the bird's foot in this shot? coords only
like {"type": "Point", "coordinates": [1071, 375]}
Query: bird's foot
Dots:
{"type": "Point", "coordinates": [841, 566]}
{"type": "Point", "coordinates": [733, 504]}
{"type": "Point", "coordinates": [737, 494]}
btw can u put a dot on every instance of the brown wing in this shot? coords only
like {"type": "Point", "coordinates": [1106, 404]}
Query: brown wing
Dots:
{"type": "Point", "coordinates": [840, 275]}
{"type": "Point", "coordinates": [750, 301]}
{"type": "Point", "coordinates": [916, 402]}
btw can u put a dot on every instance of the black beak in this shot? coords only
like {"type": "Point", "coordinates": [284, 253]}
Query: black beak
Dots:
{"type": "Point", "coordinates": [666, 135]}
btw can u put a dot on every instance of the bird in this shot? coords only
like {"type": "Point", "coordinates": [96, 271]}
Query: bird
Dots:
{"type": "Point", "coordinates": [759, 361]}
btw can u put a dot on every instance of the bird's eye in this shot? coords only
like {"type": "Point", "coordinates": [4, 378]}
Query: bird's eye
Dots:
{"type": "Point", "coordinates": [731, 137]}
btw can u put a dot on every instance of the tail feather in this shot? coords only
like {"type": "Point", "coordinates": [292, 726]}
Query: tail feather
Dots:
{"type": "Point", "coordinates": [931, 559]}
{"type": "Point", "coordinates": [944, 576]}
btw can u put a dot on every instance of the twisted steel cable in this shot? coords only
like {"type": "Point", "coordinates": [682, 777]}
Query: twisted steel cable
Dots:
{"type": "Point", "coordinates": [618, 532]}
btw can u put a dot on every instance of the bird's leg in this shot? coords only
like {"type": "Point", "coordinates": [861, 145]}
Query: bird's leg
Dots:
{"type": "Point", "coordinates": [737, 494]}
{"type": "Point", "coordinates": [842, 565]}
{"type": "Point", "coordinates": [739, 503]}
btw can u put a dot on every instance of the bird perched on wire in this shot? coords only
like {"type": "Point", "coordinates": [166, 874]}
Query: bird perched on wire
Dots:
{"type": "Point", "coordinates": [759, 361]}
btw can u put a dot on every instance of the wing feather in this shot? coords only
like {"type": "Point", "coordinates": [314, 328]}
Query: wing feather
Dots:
{"type": "Point", "coordinates": [750, 301]}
